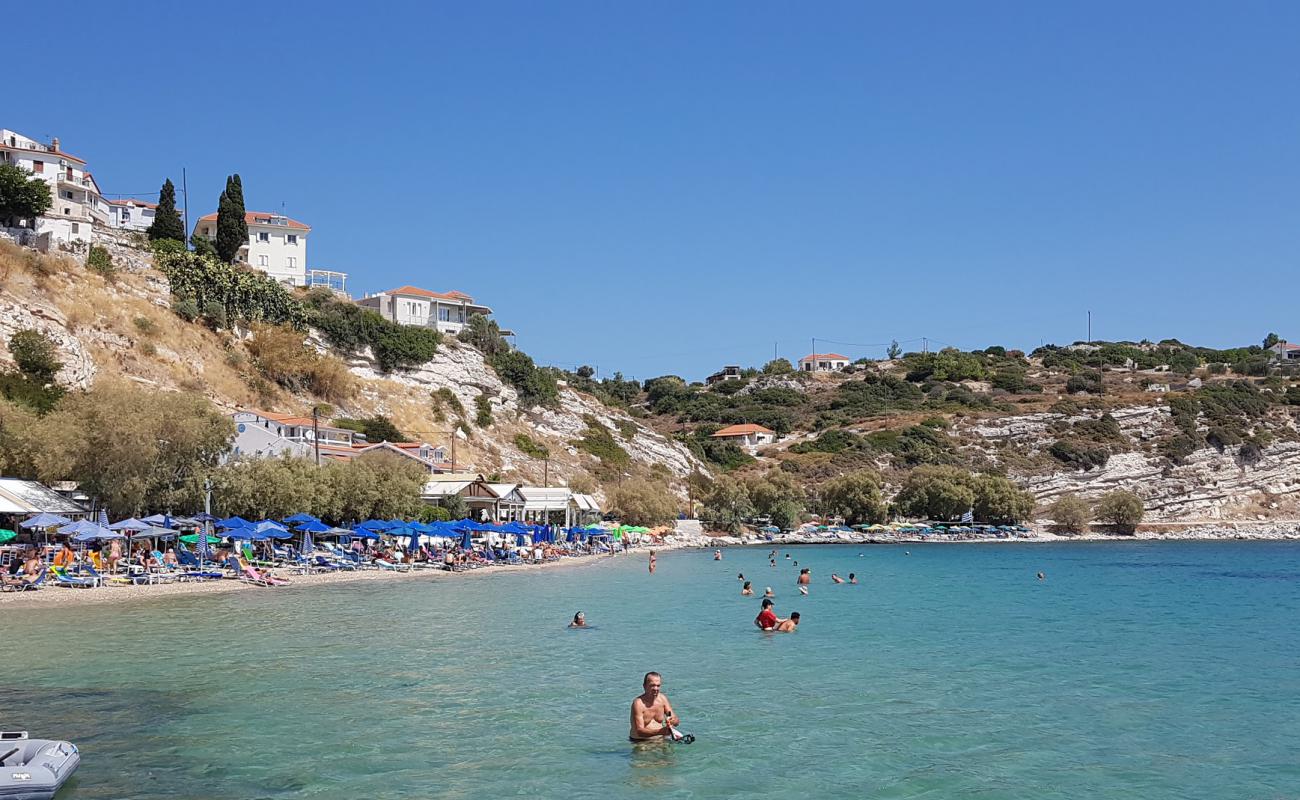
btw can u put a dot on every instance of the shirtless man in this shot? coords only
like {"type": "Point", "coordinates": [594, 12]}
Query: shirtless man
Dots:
{"type": "Point", "coordinates": [652, 562]}
{"type": "Point", "coordinates": [788, 625]}
{"type": "Point", "coordinates": [652, 714]}
{"type": "Point", "coordinates": [836, 578]}
{"type": "Point", "coordinates": [805, 576]}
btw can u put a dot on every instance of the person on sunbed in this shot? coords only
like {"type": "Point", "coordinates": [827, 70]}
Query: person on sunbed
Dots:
{"type": "Point", "coordinates": [261, 575]}
{"type": "Point", "coordinates": [66, 556]}
{"type": "Point", "coordinates": [170, 559]}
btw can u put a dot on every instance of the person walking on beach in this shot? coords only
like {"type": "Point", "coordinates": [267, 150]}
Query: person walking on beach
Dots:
{"type": "Point", "coordinates": [652, 715]}
{"type": "Point", "coordinates": [652, 562]}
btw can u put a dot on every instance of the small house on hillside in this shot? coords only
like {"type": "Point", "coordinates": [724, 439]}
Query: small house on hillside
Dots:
{"type": "Point", "coordinates": [731, 372]}
{"type": "Point", "coordinates": [823, 362]}
{"type": "Point", "coordinates": [1285, 351]}
{"type": "Point", "coordinates": [445, 312]}
{"type": "Point", "coordinates": [747, 435]}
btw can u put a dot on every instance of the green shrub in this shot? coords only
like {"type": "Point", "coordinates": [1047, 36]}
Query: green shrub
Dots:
{"type": "Point", "coordinates": [404, 346]}
{"type": "Point", "coordinates": [535, 386]}
{"type": "Point", "coordinates": [1071, 514]}
{"type": "Point", "coordinates": [145, 326]}
{"type": "Point", "coordinates": [35, 354]}
{"type": "Point", "coordinates": [215, 314]}
{"type": "Point", "coordinates": [443, 400]}
{"type": "Point", "coordinates": [100, 262]}
{"type": "Point", "coordinates": [483, 411]}
{"type": "Point", "coordinates": [627, 428]}
{"type": "Point", "coordinates": [1089, 382]}
{"type": "Point", "coordinates": [1079, 454]}
{"type": "Point", "coordinates": [377, 428]}
{"type": "Point", "coordinates": [244, 293]}
{"type": "Point", "coordinates": [530, 447]}
{"type": "Point", "coordinates": [599, 441]}
{"type": "Point", "coordinates": [187, 308]}
{"type": "Point", "coordinates": [1121, 509]}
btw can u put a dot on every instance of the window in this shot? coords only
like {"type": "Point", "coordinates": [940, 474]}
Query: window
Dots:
{"type": "Point", "coordinates": [67, 195]}
{"type": "Point", "coordinates": [262, 261]}
{"type": "Point", "coordinates": [38, 167]}
{"type": "Point", "coordinates": [291, 238]}
{"type": "Point", "coordinates": [207, 231]}
{"type": "Point", "coordinates": [76, 228]}
{"type": "Point", "coordinates": [263, 237]}
{"type": "Point", "coordinates": [126, 215]}
{"type": "Point", "coordinates": [444, 314]}
{"type": "Point", "coordinates": [291, 262]}
{"type": "Point", "coordinates": [67, 211]}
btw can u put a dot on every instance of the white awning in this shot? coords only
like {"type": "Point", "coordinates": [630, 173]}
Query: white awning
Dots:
{"type": "Point", "coordinates": [444, 488]}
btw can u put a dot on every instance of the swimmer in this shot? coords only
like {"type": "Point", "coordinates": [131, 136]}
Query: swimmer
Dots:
{"type": "Point", "coordinates": [768, 592]}
{"type": "Point", "coordinates": [766, 619]}
{"type": "Point", "coordinates": [746, 590]}
{"type": "Point", "coordinates": [652, 714]}
{"type": "Point", "coordinates": [772, 562]}
{"type": "Point", "coordinates": [1042, 577]}
{"type": "Point", "coordinates": [579, 620]}
{"type": "Point", "coordinates": [787, 556]}
{"type": "Point", "coordinates": [836, 578]}
{"type": "Point", "coordinates": [788, 625]}
{"type": "Point", "coordinates": [853, 578]}
{"type": "Point", "coordinates": [907, 552]}
{"type": "Point", "coordinates": [740, 576]}
{"type": "Point", "coordinates": [652, 562]}
{"type": "Point", "coordinates": [805, 576]}
{"type": "Point", "coordinates": [717, 555]}
{"type": "Point", "coordinates": [796, 563]}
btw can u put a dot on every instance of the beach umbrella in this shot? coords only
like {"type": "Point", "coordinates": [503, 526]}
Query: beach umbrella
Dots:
{"type": "Point", "coordinates": [466, 540]}
{"type": "Point", "coordinates": [375, 525]}
{"type": "Point", "coordinates": [131, 524]}
{"type": "Point", "coordinates": [361, 533]}
{"type": "Point", "coordinates": [44, 521]}
{"type": "Point", "coordinates": [97, 533]}
{"type": "Point", "coordinates": [6, 535]}
{"type": "Point", "coordinates": [203, 517]}
{"type": "Point", "coordinates": [313, 526]}
{"type": "Point", "coordinates": [301, 517]}
{"type": "Point", "coordinates": [193, 538]}
{"type": "Point", "coordinates": [268, 525]}
{"type": "Point", "coordinates": [241, 532]}
{"type": "Point", "coordinates": [233, 522]}
{"type": "Point", "coordinates": [156, 519]}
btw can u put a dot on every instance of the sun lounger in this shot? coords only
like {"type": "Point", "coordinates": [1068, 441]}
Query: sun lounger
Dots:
{"type": "Point", "coordinates": [27, 586]}
{"type": "Point", "coordinates": [389, 565]}
{"type": "Point", "coordinates": [62, 578]}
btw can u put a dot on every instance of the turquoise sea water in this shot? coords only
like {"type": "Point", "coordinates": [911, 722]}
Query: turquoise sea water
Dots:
{"type": "Point", "coordinates": [1152, 670]}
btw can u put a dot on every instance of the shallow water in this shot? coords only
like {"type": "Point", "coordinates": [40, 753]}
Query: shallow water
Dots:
{"type": "Point", "coordinates": [1153, 670]}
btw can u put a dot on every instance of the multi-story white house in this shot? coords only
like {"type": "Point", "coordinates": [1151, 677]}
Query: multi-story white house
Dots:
{"type": "Point", "coordinates": [131, 214]}
{"type": "Point", "coordinates": [77, 202]}
{"type": "Point", "coordinates": [261, 434]}
{"type": "Point", "coordinates": [823, 362]}
{"type": "Point", "coordinates": [446, 312]}
{"type": "Point", "coordinates": [276, 245]}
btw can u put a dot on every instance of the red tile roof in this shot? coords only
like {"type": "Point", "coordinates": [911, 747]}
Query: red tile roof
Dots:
{"type": "Point", "coordinates": [453, 295]}
{"type": "Point", "coordinates": [744, 429]}
{"type": "Point", "coordinates": [255, 217]}
{"type": "Point", "coordinates": [824, 356]}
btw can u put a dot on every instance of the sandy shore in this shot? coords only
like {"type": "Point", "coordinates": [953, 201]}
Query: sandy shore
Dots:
{"type": "Point", "coordinates": [1165, 534]}
{"type": "Point", "coordinates": [50, 595]}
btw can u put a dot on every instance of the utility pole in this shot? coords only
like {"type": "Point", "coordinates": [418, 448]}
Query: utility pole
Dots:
{"type": "Point", "coordinates": [185, 192]}
{"type": "Point", "coordinates": [1090, 327]}
{"type": "Point", "coordinates": [315, 431]}
{"type": "Point", "coordinates": [925, 345]}
{"type": "Point", "coordinates": [546, 472]}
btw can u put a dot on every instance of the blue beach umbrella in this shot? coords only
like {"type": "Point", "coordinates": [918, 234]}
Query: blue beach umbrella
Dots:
{"type": "Point", "coordinates": [160, 520]}
{"type": "Point", "coordinates": [131, 524]}
{"type": "Point", "coordinates": [375, 525]}
{"type": "Point", "coordinates": [96, 533]}
{"type": "Point", "coordinates": [233, 522]}
{"type": "Point", "coordinates": [44, 521]}
{"type": "Point", "coordinates": [301, 517]}
{"type": "Point", "coordinates": [313, 526]}
{"type": "Point", "coordinates": [466, 540]}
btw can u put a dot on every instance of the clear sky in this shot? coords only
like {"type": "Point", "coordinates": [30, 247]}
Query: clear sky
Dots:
{"type": "Point", "coordinates": [670, 186]}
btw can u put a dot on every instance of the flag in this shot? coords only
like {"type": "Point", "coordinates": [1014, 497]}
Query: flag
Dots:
{"type": "Point", "coordinates": [969, 516]}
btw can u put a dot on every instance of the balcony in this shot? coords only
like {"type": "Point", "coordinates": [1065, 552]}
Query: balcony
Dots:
{"type": "Point", "coordinates": [72, 180]}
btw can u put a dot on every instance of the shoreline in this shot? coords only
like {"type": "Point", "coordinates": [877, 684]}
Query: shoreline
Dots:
{"type": "Point", "coordinates": [1207, 534]}
{"type": "Point", "coordinates": [50, 596]}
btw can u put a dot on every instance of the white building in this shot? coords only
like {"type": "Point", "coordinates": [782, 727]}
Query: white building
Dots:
{"type": "Point", "coordinates": [731, 372]}
{"type": "Point", "coordinates": [823, 362]}
{"type": "Point", "coordinates": [747, 435]}
{"type": "Point", "coordinates": [276, 245]}
{"type": "Point", "coordinates": [1285, 351]}
{"type": "Point", "coordinates": [130, 214]}
{"type": "Point", "coordinates": [261, 434]}
{"type": "Point", "coordinates": [77, 202]}
{"type": "Point", "coordinates": [447, 312]}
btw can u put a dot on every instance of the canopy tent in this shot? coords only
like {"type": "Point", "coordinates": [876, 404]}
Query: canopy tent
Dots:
{"type": "Point", "coordinates": [44, 520]}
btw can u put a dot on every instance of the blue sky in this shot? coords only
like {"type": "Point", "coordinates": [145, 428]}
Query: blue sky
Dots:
{"type": "Point", "coordinates": [671, 186]}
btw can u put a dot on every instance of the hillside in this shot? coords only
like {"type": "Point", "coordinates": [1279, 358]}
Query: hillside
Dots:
{"type": "Point", "coordinates": [1197, 434]}
{"type": "Point", "coordinates": [123, 325]}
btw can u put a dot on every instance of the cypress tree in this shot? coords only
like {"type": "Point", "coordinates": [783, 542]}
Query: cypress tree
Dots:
{"type": "Point", "coordinates": [232, 229]}
{"type": "Point", "coordinates": [166, 222]}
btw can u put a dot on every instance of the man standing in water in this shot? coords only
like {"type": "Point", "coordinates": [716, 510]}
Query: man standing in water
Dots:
{"type": "Point", "coordinates": [652, 714]}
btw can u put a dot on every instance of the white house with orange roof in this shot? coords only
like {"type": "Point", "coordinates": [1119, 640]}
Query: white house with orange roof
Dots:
{"type": "Point", "coordinates": [264, 434]}
{"type": "Point", "coordinates": [823, 362]}
{"type": "Point", "coordinates": [277, 245]}
{"type": "Point", "coordinates": [77, 202]}
{"type": "Point", "coordinates": [747, 435]}
{"type": "Point", "coordinates": [446, 312]}
{"type": "Point", "coordinates": [130, 214]}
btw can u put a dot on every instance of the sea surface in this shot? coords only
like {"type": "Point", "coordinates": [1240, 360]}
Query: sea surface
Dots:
{"type": "Point", "coordinates": [1135, 670]}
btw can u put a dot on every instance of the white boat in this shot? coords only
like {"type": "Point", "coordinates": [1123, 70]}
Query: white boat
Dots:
{"type": "Point", "coordinates": [34, 769]}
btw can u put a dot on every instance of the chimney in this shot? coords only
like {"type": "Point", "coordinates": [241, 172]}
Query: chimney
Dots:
{"type": "Point", "coordinates": [54, 144]}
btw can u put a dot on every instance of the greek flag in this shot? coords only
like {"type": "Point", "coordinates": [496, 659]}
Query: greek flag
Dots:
{"type": "Point", "coordinates": [969, 516]}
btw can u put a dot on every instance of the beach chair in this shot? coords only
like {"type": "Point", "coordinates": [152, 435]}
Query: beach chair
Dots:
{"type": "Point", "coordinates": [62, 578]}
{"type": "Point", "coordinates": [392, 567]}
{"type": "Point", "coordinates": [34, 585]}
{"type": "Point", "coordinates": [245, 576]}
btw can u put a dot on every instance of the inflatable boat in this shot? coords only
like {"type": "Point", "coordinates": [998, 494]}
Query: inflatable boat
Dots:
{"type": "Point", "coordinates": [34, 769]}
